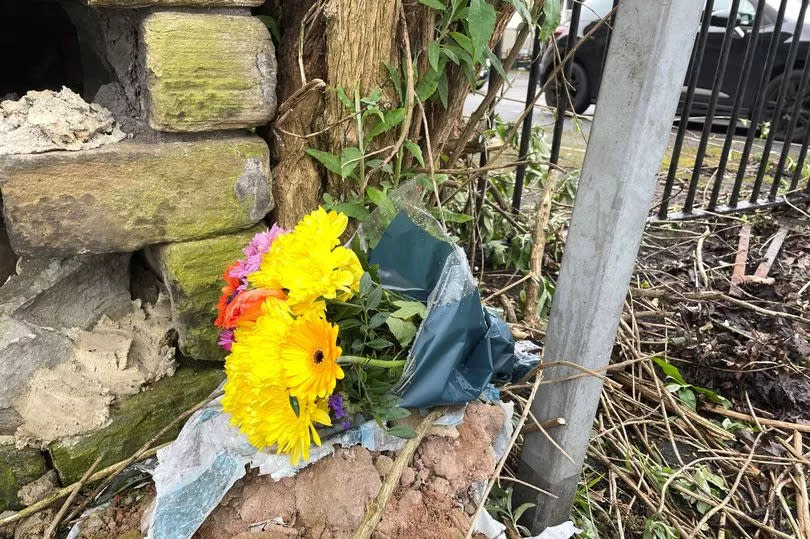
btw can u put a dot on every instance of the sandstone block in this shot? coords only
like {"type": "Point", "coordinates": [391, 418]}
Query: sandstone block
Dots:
{"type": "Point", "coordinates": [207, 71]}
{"type": "Point", "coordinates": [167, 3]}
{"type": "Point", "coordinates": [18, 467]}
{"type": "Point", "coordinates": [125, 196]}
{"type": "Point", "coordinates": [135, 420]}
{"type": "Point", "coordinates": [192, 271]}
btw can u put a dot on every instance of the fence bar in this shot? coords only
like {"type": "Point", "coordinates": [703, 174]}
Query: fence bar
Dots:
{"type": "Point", "coordinates": [694, 70]}
{"type": "Point", "coordinates": [776, 120]}
{"type": "Point", "coordinates": [794, 118]}
{"type": "Point", "coordinates": [797, 174]}
{"type": "Point", "coordinates": [492, 79]}
{"type": "Point", "coordinates": [776, 38]}
{"type": "Point", "coordinates": [643, 78]}
{"type": "Point", "coordinates": [609, 34]}
{"type": "Point", "coordinates": [562, 102]}
{"type": "Point", "coordinates": [719, 75]}
{"type": "Point", "coordinates": [739, 94]}
{"type": "Point", "coordinates": [526, 133]}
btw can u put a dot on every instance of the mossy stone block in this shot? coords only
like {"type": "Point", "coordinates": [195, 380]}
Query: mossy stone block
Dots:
{"type": "Point", "coordinates": [18, 467]}
{"type": "Point", "coordinates": [193, 272]}
{"type": "Point", "coordinates": [208, 71]}
{"type": "Point", "coordinates": [135, 419]}
{"type": "Point", "coordinates": [173, 3]}
{"type": "Point", "coordinates": [125, 196]}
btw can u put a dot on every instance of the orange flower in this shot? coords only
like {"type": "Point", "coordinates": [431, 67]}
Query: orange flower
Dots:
{"type": "Point", "coordinates": [231, 284]}
{"type": "Point", "coordinates": [246, 306]}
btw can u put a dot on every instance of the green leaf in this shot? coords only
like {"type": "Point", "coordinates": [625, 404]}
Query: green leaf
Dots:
{"type": "Point", "coordinates": [552, 14]}
{"type": "Point", "coordinates": [373, 98]}
{"type": "Point", "coordinates": [522, 509]}
{"type": "Point", "coordinates": [433, 55]}
{"type": "Point", "coordinates": [481, 24]}
{"type": "Point", "coordinates": [464, 42]}
{"type": "Point", "coordinates": [382, 201]}
{"type": "Point", "coordinates": [447, 51]}
{"type": "Point", "coordinates": [403, 330]}
{"type": "Point", "coordinates": [379, 344]}
{"type": "Point", "coordinates": [523, 10]}
{"type": "Point", "coordinates": [435, 4]}
{"type": "Point", "coordinates": [378, 319]}
{"type": "Point", "coordinates": [397, 412]}
{"type": "Point", "coordinates": [670, 370]}
{"type": "Point", "coordinates": [374, 297]}
{"type": "Point", "coordinates": [349, 160]}
{"type": "Point", "coordinates": [427, 85]}
{"type": "Point", "coordinates": [393, 74]}
{"type": "Point", "coordinates": [348, 324]}
{"type": "Point", "coordinates": [442, 89]}
{"type": "Point", "coordinates": [415, 151]}
{"type": "Point", "coordinates": [355, 210]}
{"type": "Point", "coordinates": [328, 160]}
{"type": "Point", "coordinates": [408, 309]}
{"type": "Point", "coordinates": [496, 63]}
{"type": "Point", "coordinates": [392, 118]}
{"type": "Point", "coordinates": [341, 95]}
{"type": "Point", "coordinates": [366, 284]}
{"type": "Point", "coordinates": [454, 217]}
{"type": "Point", "coordinates": [687, 396]}
{"type": "Point", "coordinates": [402, 431]}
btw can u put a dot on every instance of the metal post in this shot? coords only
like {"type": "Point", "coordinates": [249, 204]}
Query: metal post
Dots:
{"type": "Point", "coordinates": [562, 78]}
{"type": "Point", "coordinates": [644, 73]}
{"type": "Point", "coordinates": [526, 133]}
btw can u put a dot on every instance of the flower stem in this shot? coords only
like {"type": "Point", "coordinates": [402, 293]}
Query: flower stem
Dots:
{"type": "Point", "coordinates": [382, 363]}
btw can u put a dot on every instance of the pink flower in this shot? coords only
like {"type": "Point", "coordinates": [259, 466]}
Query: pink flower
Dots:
{"type": "Point", "coordinates": [226, 339]}
{"type": "Point", "coordinates": [254, 252]}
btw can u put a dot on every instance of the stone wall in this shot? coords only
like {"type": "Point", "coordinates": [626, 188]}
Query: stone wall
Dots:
{"type": "Point", "coordinates": [121, 210]}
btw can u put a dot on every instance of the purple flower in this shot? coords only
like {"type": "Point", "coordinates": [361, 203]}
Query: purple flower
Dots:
{"type": "Point", "coordinates": [339, 411]}
{"type": "Point", "coordinates": [226, 339]}
{"type": "Point", "coordinates": [254, 252]}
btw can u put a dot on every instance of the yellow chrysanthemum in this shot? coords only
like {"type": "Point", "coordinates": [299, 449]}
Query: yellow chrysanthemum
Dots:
{"type": "Point", "coordinates": [309, 357]}
{"type": "Point", "coordinates": [309, 264]}
{"type": "Point", "coordinates": [256, 350]}
{"type": "Point", "coordinates": [272, 419]}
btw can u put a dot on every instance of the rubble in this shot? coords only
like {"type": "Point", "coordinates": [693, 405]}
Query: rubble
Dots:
{"type": "Point", "coordinates": [47, 120]}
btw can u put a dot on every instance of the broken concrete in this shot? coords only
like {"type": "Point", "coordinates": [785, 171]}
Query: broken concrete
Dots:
{"type": "Point", "coordinates": [47, 120]}
{"type": "Point", "coordinates": [134, 420]}
{"type": "Point", "coordinates": [114, 358]}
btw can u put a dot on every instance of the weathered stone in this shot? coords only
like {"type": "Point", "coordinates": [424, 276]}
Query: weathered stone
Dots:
{"type": "Point", "coordinates": [135, 420]}
{"type": "Point", "coordinates": [192, 271]}
{"type": "Point", "coordinates": [10, 419]}
{"type": "Point", "coordinates": [47, 120]}
{"type": "Point", "coordinates": [124, 196]}
{"type": "Point", "coordinates": [18, 467]}
{"type": "Point", "coordinates": [8, 258]}
{"type": "Point", "coordinates": [67, 293]}
{"type": "Point", "coordinates": [166, 3]}
{"type": "Point", "coordinates": [207, 71]}
{"type": "Point", "coordinates": [24, 349]}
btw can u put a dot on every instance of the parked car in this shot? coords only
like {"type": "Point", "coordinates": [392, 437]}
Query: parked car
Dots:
{"type": "Point", "coordinates": [586, 74]}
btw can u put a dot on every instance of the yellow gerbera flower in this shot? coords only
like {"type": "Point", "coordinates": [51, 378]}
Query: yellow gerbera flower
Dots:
{"type": "Point", "coordinates": [309, 357]}
{"type": "Point", "coordinates": [309, 264]}
{"type": "Point", "coordinates": [276, 418]}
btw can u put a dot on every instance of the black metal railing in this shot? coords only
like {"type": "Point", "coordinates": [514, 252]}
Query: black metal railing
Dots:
{"type": "Point", "coordinates": [743, 120]}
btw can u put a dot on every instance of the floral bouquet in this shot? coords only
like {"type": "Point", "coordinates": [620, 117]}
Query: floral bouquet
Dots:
{"type": "Point", "coordinates": [289, 312]}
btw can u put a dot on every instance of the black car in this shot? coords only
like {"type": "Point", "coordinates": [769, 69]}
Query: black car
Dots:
{"type": "Point", "coordinates": [589, 59]}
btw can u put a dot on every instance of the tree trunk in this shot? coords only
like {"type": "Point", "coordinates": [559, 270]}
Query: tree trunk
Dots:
{"type": "Point", "coordinates": [361, 37]}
